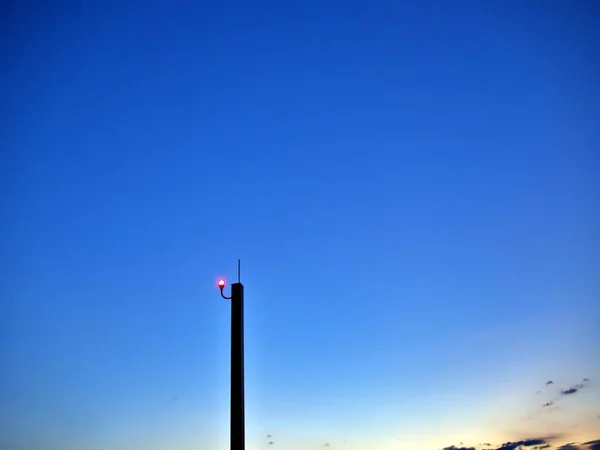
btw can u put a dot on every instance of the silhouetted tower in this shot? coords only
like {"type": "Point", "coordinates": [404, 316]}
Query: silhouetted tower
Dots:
{"type": "Point", "coordinates": [237, 425]}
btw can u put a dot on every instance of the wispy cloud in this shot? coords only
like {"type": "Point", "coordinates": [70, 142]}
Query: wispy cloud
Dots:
{"type": "Point", "coordinates": [570, 446]}
{"type": "Point", "coordinates": [575, 388]}
{"type": "Point", "coordinates": [572, 389]}
{"type": "Point", "coordinates": [524, 443]}
{"type": "Point", "coordinates": [536, 443]}
{"type": "Point", "coordinates": [452, 447]}
{"type": "Point", "coordinates": [590, 445]}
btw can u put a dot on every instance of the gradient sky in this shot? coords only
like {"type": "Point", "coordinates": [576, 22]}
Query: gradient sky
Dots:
{"type": "Point", "coordinates": [412, 188]}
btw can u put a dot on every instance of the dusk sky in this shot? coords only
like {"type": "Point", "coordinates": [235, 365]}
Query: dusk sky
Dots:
{"type": "Point", "coordinates": [413, 190]}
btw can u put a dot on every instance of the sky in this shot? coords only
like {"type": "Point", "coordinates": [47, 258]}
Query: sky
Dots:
{"type": "Point", "coordinates": [412, 189]}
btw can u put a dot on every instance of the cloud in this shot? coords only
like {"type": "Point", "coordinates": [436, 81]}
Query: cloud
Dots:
{"type": "Point", "coordinates": [586, 379]}
{"type": "Point", "coordinates": [593, 445]}
{"type": "Point", "coordinates": [572, 389]}
{"type": "Point", "coordinates": [271, 442]}
{"type": "Point", "coordinates": [570, 446]}
{"type": "Point", "coordinates": [452, 447]}
{"type": "Point", "coordinates": [547, 404]}
{"type": "Point", "coordinates": [540, 443]}
{"type": "Point", "coordinates": [525, 443]}
{"type": "Point", "coordinates": [549, 382]}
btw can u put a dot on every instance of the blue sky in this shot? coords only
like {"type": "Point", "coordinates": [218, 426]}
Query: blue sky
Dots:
{"type": "Point", "coordinates": [411, 187]}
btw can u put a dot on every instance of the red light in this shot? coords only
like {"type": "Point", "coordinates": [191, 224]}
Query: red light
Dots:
{"type": "Point", "coordinates": [221, 283]}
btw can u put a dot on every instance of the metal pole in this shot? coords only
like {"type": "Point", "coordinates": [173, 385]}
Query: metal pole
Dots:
{"type": "Point", "coordinates": [237, 432]}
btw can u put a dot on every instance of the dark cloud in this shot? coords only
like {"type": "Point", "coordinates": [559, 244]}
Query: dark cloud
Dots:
{"type": "Point", "coordinates": [549, 382]}
{"type": "Point", "coordinates": [268, 436]}
{"type": "Point", "coordinates": [586, 379]}
{"type": "Point", "coordinates": [547, 404]}
{"type": "Point", "coordinates": [452, 447]}
{"type": "Point", "coordinates": [570, 446]}
{"type": "Point", "coordinates": [535, 443]}
{"type": "Point", "coordinates": [271, 442]}
{"type": "Point", "coordinates": [593, 445]}
{"type": "Point", "coordinates": [525, 443]}
{"type": "Point", "coordinates": [541, 443]}
{"type": "Point", "coordinates": [572, 389]}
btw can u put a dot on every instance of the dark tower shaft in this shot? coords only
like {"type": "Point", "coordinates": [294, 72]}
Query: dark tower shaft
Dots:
{"type": "Point", "coordinates": [237, 433]}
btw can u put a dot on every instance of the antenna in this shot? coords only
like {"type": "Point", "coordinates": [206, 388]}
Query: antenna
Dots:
{"type": "Point", "coordinates": [239, 271]}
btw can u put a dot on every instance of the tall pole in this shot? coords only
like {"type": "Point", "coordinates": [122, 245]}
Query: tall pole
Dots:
{"type": "Point", "coordinates": [237, 431]}
{"type": "Point", "coordinates": [237, 428]}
